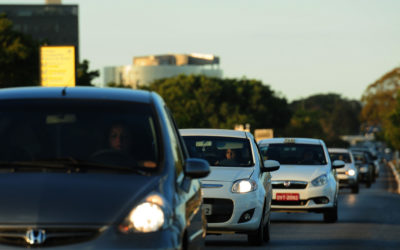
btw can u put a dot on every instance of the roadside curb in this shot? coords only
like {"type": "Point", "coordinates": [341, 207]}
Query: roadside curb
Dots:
{"type": "Point", "coordinates": [396, 175]}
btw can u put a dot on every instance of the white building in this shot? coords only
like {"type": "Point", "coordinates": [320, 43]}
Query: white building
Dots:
{"type": "Point", "coordinates": [146, 69]}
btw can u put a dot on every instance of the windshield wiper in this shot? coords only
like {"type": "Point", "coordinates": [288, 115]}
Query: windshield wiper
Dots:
{"type": "Point", "coordinates": [71, 165]}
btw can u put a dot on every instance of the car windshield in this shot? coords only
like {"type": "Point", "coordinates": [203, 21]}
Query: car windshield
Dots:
{"type": "Point", "coordinates": [78, 132]}
{"type": "Point", "coordinates": [220, 151]}
{"type": "Point", "coordinates": [294, 153]}
{"type": "Point", "coordinates": [340, 156]}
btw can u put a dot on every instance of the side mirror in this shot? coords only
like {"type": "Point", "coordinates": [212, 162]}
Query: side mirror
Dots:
{"type": "Point", "coordinates": [338, 164]}
{"type": "Point", "coordinates": [271, 165]}
{"type": "Point", "coordinates": [196, 168]}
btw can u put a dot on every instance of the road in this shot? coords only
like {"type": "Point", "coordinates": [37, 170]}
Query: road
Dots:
{"type": "Point", "coordinates": [368, 220]}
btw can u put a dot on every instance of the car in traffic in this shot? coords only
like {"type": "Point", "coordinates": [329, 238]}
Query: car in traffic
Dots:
{"type": "Point", "coordinates": [365, 166]}
{"type": "Point", "coordinates": [306, 180]}
{"type": "Point", "coordinates": [238, 192]}
{"type": "Point", "coordinates": [372, 159]}
{"type": "Point", "coordinates": [348, 175]}
{"type": "Point", "coordinates": [95, 168]}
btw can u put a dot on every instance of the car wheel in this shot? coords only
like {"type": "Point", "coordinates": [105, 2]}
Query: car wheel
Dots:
{"type": "Point", "coordinates": [266, 230]}
{"type": "Point", "coordinates": [369, 181]}
{"type": "Point", "coordinates": [355, 189]}
{"type": "Point", "coordinates": [256, 238]}
{"type": "Point", "coordinates": [331, 214]}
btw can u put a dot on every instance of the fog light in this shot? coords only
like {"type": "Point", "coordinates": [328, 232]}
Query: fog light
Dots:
{"type": "Point", "coordinates": [246, 216]}
{"type": "Point", "coordinates": [321, 200]}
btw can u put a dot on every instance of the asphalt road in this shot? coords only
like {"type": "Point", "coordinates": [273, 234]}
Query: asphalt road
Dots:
{"type": "Point", "coordinates": [368, 220]}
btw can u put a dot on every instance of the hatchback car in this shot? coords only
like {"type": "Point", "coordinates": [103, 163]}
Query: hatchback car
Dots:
{"type": "Point", "coordinates": [348, 176]}
{"type": "Point", "coordinates": [306, 181]}
{"type": "Point", "coordinates": [237, 193]}
{"type": "Point", "coordinates": [365, 166]}
{"type": "Point", "coordinates": [91, 168]}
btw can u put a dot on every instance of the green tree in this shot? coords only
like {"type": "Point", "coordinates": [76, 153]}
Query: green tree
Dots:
{"type": "Point", "coordinates": [206, 102]}
{"type": "Point", "coordinates": [84, 76]}
{"type": "Point", "coordinates": [19, 57]}
{"type": "Point", "coordinates": [325, 116]}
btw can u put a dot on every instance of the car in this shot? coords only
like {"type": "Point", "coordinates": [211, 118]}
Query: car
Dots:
{"type": "Point", "coordinates": [96, 168]}
{"type": "Point", "coordinates": [365, 166]}
{"type": "Point", "coordinates": [348, 176]}
{"type": "Point", "coordinates": [306, 180]}
{"type": "Point", "coordinates": [238, 192]}
{"type": "Point", "coordinates": [372, 158]}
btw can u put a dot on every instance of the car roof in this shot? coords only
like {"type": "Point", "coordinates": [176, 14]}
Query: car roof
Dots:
{"type": "Point", "coordinates": [338, 150]}
{"type": "Point", "coordinates": [290, 140]}
{"type": "Point", "coordinates": [213, 132]}
{"type": "Point", "coordinates": [94, 93]}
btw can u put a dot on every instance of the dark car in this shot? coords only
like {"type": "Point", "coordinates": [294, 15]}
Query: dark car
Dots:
{"type": "Point", "coordinates": [365, 167]}
{"type": "Point", "coordinates": [91, 168]}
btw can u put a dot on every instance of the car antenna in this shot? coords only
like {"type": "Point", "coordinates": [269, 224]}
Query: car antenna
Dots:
{"type": "Point", "coordinates": [64, 91]}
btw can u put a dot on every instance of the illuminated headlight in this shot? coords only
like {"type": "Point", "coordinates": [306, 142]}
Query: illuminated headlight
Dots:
{"type": "Point", "coordinates": [320, 181]}
{"type": "Point", "coordinates": [351, 172]}
{"type": "Point", "coordinates": [364, 169]}
{"type": "Point", "coordinates": [148, 216]}
{"type": "Point", "coordinates": [244, 186]}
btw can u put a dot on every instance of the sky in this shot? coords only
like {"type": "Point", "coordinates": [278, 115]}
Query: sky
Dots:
{"type": "Point", "coordinates": [297, 47]}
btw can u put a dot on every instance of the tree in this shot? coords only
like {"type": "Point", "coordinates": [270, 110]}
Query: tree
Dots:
{"type": "Point", "coordinates": [325, 116]}
{"type": "Point", "coordinates": [381, 106]}
{"type": "Point", "coordinates": [19, 57]}
{"type": "Point", "coordinates": [84, 76]}
{"type": "Point", "coordinates": [206, 102]}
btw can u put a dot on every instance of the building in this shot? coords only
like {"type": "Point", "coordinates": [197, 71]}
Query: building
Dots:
{"type": "Point", "coordinates": [146, 69]}
{"type": "Point", "coordinates": [51, 23]}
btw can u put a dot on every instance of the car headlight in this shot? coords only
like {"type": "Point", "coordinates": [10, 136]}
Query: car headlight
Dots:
{"type": "Point", "coordinates": [319, 181]}
{"type": "Point", "coordinates": [364, 169]}
{"type": "Point", "coordinates": [244, 186]}
{"type": "Point", "coordinates": [148, 216]}
{"type": "Point", "coordinates": [351, 172]}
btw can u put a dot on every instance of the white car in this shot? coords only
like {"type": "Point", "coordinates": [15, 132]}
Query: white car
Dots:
{"type": "Point", "coordinates": [306, 180]}
{"type": "Point", "coordinates": [348, 176]}
{"type": "Point", "coordinates": [237, 192]}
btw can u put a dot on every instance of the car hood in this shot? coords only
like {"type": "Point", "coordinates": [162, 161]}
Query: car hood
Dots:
{"type": "Point", "coordinates": [299, 172]}
{"type": "Point", "coordinates": [49, 198]}
{"type": "Point", "coordinates": [228, 174]}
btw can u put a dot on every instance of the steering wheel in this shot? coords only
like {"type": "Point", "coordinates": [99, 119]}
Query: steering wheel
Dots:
{"type": "Point", "coordinates": [112, 156]}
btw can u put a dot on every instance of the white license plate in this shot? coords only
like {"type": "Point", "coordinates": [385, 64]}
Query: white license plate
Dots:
{"type": "Point", "coordinates": [207, 209]}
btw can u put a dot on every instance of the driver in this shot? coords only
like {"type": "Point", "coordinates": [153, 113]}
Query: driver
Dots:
{"type": "Point", "coordinates": [120, 138]}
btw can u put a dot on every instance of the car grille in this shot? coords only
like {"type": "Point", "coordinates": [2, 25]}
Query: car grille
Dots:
{"type": "Point", "coordinates": [54, 236]}
{"type": "Point", "coordinates": [222, 210]}
{"type": "Point", "coordinates": [289, 184]}
{"type": "Point", "coordinates": [289, 203]}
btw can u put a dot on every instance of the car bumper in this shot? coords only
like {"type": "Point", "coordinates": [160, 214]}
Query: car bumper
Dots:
{"type": "Point", "coordinates": [228, 209]}
{"type": "Point", "coordinates": [347, 180]}
{"type": "Point", "coordinates": [311, 199]}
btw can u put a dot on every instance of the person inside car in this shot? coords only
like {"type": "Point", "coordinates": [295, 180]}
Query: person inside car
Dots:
{"type": "Point", "coordinates": [230, 158]}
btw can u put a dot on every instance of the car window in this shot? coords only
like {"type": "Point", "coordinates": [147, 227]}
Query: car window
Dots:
{"type": "Point", "coordinates": [111, 133]}
{"type": "Point", "coordinates": [178, 147]}
{"type": "Point", "coordinates": [294, 153]}
{"type": "Point", "coordinates": [340, 156]}
{"type": "Point", "coordinates": [220, 151]}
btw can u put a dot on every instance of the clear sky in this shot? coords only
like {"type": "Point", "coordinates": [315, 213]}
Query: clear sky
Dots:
{"type": "Point", "coordinates": [298, 47]}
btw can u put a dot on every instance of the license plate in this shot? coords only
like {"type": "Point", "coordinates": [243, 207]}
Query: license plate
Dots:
{"type": "Point", "coordinates": [287, 197]}
{"type": "Point", "coordinates": [207, 209]}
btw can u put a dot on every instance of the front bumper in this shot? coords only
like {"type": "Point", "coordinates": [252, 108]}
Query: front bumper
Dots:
{"type": "Point", "coordinates": [347, 180]}
{"type": "Point", "coordinates": [228, 209]}
{"type": "Point", "coordinates": [311, 199]}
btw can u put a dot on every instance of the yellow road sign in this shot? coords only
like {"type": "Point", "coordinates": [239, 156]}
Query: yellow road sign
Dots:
{"type": "Point", "coordinates": [57, 66]}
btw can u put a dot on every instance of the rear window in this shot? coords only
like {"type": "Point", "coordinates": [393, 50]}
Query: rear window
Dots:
{"type": "Point", "coordinates": [340, 156]}
{"type": "Point", "coordinates": [113, 133]}
{"type": "Point", "coordinates": [220, 151]}
{"type": "Point", "coordinates": [294, 153]}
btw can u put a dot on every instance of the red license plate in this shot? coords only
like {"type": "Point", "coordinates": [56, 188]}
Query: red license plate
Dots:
{"type": "Point", "coordinates": [287, 197]}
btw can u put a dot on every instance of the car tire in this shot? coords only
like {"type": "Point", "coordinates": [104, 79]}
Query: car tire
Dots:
{"type": "Point", "coordinates": [355, 189]}
{"type": "Point", "coordinates": [256, 238]}
{"type": "Point", "coordinates": [369, 181]}
{"type": "Point", "coordinates": [331, 214]}
{"type": "Point", "coordinates": [267, 231]}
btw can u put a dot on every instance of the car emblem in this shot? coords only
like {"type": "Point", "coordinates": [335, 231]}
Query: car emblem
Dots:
{"type": "Point", "coordinates": [35, 236]}
{"type": "Point", "coordinates": [286, 183]}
